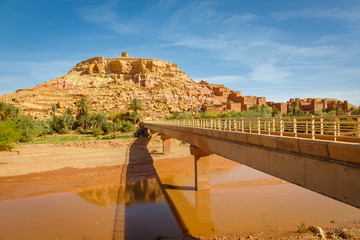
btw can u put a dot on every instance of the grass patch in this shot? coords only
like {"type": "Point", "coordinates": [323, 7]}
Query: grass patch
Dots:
{"type": "Point", "coordinates": [55, 139]}
{"type": "Point", "coordinates": [117, 137]}
{"type": "Point", "coordinates": [302, 228]}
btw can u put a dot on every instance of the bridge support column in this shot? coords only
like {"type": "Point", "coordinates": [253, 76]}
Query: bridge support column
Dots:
{"type": "Point", "coordinates": [166, 144]}
{"type": "Point", "coordinates": [202, 168]}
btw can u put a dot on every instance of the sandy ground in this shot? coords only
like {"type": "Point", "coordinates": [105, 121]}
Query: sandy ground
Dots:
{"type": "Point", "coordinates": [33, 170]}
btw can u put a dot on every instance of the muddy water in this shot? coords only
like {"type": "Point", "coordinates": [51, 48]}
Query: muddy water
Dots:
{"type": "Point", "coordinates": [245, 200]}
{"type": "Point", "coordinates": [110, 212]}
{"type": "Point", "coordinates": [240, 200]}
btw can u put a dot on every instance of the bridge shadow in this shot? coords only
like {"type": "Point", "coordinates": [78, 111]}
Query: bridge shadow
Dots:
{"type": "Point", "coordinates": [140, 164]}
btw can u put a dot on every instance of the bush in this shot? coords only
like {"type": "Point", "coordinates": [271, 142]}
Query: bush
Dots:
{"type": "Point", "coordinates": [30, 128]}
{"type": "Point", "coordinates": [62, 124]}
{"type": "Point", "coordinates": [106, 127]}
{"type": "Point", "coordinates": [232, 114]}
{"type": "Point", "coordinates": [117, 116]}
{"type": "Point", "coordinates": [8, 111]}
{"type": "Point", "coordinates": [178, 115]}
{"type": "Point", "coordinates": [9, 133]}
{"type": "Point", "coordinates": [127, 126]}
{"type": "Point", "coordinates": [97, 131]}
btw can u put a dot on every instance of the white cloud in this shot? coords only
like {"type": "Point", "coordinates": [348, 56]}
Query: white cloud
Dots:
{"type": "Point", "coordinates": [23, 74]}
{"type": "Point", "coordinates": [350, 14]}
{"type": "Point", "coordinates": [106, 16]}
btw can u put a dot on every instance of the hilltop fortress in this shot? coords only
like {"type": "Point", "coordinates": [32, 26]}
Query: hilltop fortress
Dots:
{"type": "Point", "coordinates": [109, 84]}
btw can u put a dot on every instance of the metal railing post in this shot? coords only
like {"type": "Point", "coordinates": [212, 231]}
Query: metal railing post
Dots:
{"type": "Point", "coordinates": [295, 127]}
{"type": "Point", "coordinates": [281, 127]}
{"type": "Point", "coordinates": [258, 125]}
{"type": "Point", "coordinates": [358, 126]}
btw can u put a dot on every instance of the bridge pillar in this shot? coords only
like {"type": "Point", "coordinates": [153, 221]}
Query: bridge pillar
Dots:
{"type": "Point", "coordinates": [166, 144]}
{"type": "Point", "coordinates": [202, 168]}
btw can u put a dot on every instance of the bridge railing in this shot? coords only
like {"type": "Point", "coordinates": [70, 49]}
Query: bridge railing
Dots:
{"type": "Point", "coordinates": [333, 128]}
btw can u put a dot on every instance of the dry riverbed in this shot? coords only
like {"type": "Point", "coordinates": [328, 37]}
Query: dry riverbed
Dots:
{"type": "Point", "coordinates": [35, 170]}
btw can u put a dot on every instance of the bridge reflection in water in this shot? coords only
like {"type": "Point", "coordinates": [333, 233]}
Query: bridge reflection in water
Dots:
{"type": "Point", "coordinates": [241, 200]}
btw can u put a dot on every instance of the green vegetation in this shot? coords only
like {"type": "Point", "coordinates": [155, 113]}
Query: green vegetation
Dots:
{"type": "Point", "coordinates": [15, 127]}
{"type": "Point", "coordinates": [8, 112]}
{"type": "Point", "coordinates": [136, 105]}
{"type": "Point", "coordinates": [302, 228]}
{"type": "Point", "coordinates": [9, 133]}
{"type": "Point", "coordinates": [183, 115]}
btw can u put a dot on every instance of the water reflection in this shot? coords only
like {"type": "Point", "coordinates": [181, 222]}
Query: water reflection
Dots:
{"type": "Point", "coordinates": [145, 191]}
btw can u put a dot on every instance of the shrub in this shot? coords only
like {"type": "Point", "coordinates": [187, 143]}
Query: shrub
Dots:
{"type": "Point", "coordinates": [232, 114]}
{"type": "Point", "coordinates": [9, 133]}
{"type": "Point", "coordinates": [135, 105]}
{"type": "Point", "coordinates": [8, 111]}
{"type": "Point", "coordinates": [302, 228]}
{"type": "Point", "coordinates": [30, 128]}
{"type": "Point", "coordinates": [126, 126]}
{"type": "Point", "coordinates": [117, 116]}
{"type": "Point", "coordinates": [178, 115]}
{"type": "Point", "coordinates": [106, 127]}
{"type": "Point", "coordinates": [97, 131]}
{"type": "Point", "coordinates": [97, 119]}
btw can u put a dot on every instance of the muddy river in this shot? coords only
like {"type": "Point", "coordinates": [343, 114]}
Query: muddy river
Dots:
{"type": "Point", "coordinates": [240, 200]}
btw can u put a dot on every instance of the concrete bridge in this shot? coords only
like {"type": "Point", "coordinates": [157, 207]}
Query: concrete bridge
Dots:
{"type": "Point", "coordinates": [310, 152]}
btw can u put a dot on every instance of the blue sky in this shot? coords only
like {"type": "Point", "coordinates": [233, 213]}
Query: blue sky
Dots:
{"type": "Point", "coordinates": [277, 49]}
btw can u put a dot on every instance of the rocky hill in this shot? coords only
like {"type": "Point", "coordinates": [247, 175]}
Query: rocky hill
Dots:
{"type": "Point", "coordinates": [110, 83]}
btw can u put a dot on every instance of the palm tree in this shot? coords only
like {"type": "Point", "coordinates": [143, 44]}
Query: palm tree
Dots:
{"type": "Point", "coordinates": [294, 105]}
{"type": "Point", "coordinates": [84, 107]}
{"type": "Point", "coordinates": [135, 105]}
{"type": "Point", "coordinates": [53, 108]}
{"type": "Point", "coordinates": [97, 119]}
{"type": "Point", "coordinates": [114, 126]}
{"type": "Point", "coordinates": [275, 111]}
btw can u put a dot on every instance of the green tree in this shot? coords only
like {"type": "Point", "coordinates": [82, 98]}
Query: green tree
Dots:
{"type": "Point", "coordinates": [338, 110]}
{"type": "Point", "coordinates": [8, 111]}
{"type": "Point", "coordinates": [114, 126]}
{"type": "Point", "coordinates": [126, 126]}
{"type": "Point", "coordinates": [265, 111]}
{"type": "Point", "coordinates": [356, 111]}
{"type": "Point", "coordinates": [30, 128]}
{"type": "Point", "coordinates": [83, 107]}
{"type": "Point", "coordinates": [83, 121]}
{"type": "Point", "coordinates": [135, 105]}
{"type": "Point", "coordinates": [294, 107]}
{"type": "Point", "coordinates": [275, 111]}
{"type": "Point", "coordinates": [83, 117]}
{"type": "Point", "coordinates": [53, 109]}
{"type": "Point", "coordinates": [9, 134]}
{"type": "Point", "coordinates": [255, 108]}
{"type": "Point", "coordinates": [97, 119]}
